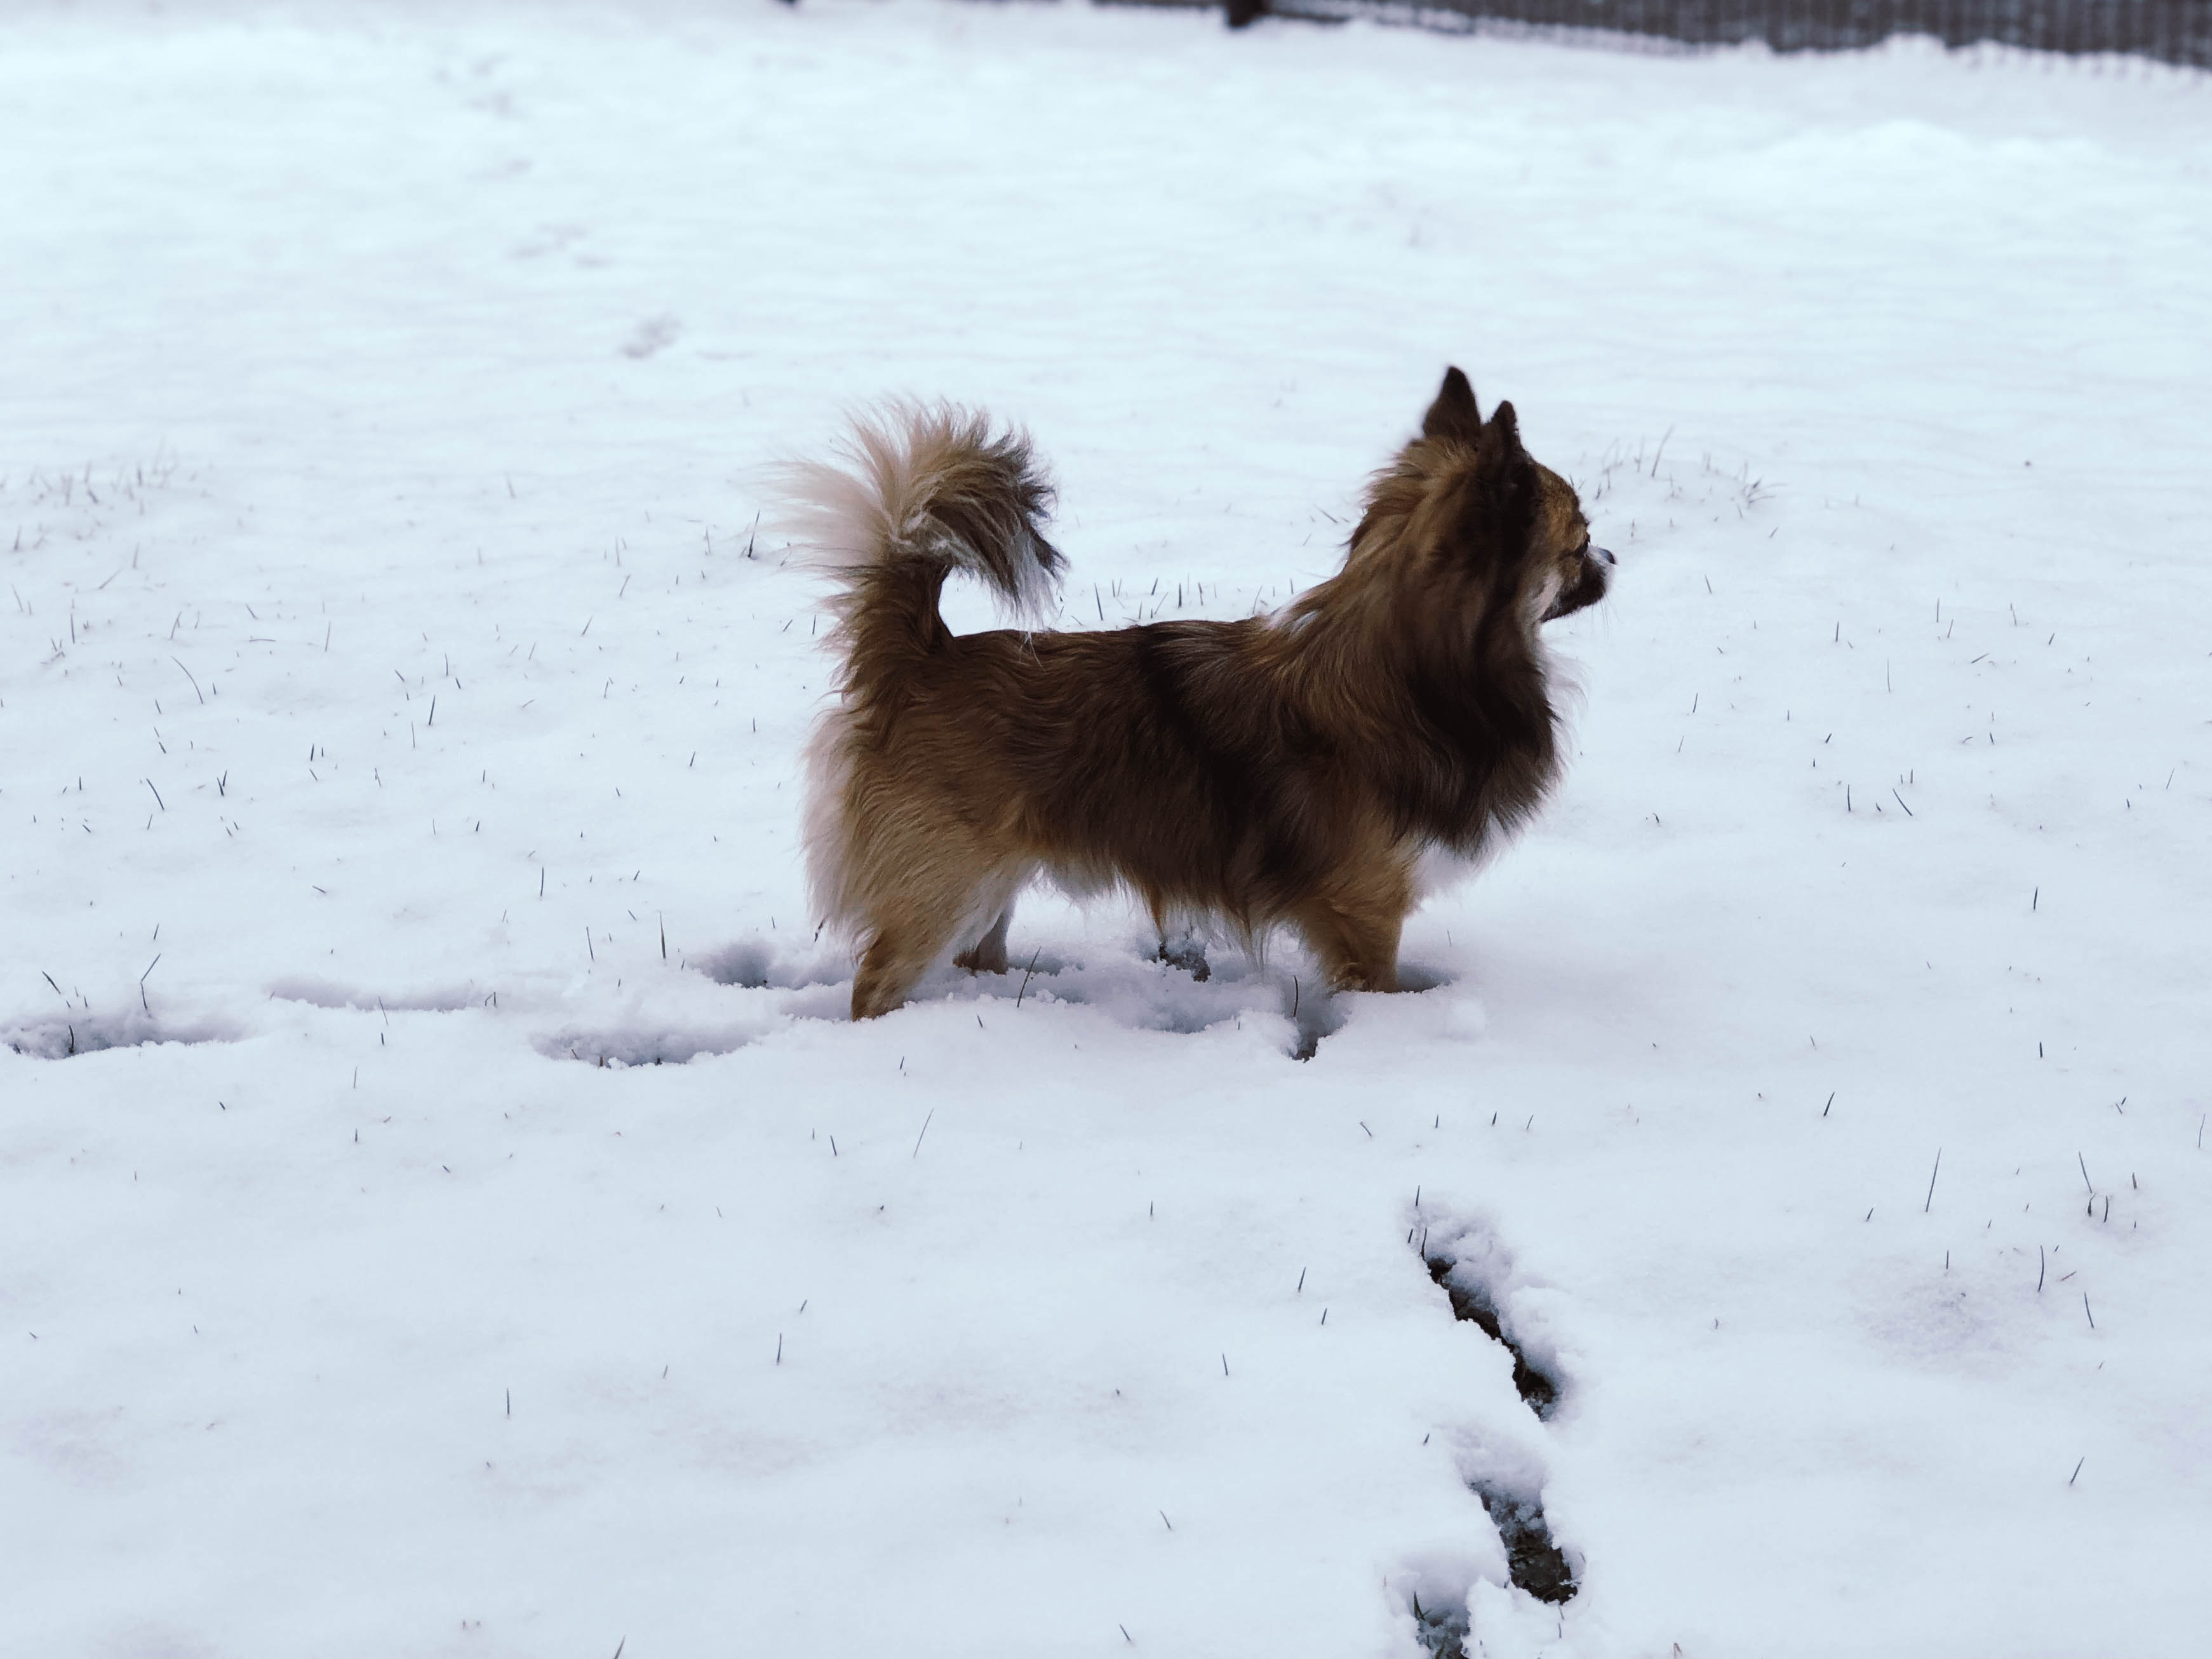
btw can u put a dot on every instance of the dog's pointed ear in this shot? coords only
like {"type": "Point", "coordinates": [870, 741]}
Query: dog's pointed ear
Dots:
{"type": "Point", "coordinates": [1508, 468]}
{"type": "Point", "coordinates": [1454, 414]}
{"type": "Point", "coordinates": [1507, 427]}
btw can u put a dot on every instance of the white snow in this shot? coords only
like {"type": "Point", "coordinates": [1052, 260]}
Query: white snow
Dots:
{"type": "Point", "coordinates": [388, 394]}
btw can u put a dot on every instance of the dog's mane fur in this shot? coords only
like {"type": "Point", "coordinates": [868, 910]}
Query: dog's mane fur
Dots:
{"type": "Point", "coordinates": [1288, 769]}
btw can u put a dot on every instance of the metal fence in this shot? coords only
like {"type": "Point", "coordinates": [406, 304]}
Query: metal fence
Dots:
{"type": "Point", "coordinates": [2168, 30]}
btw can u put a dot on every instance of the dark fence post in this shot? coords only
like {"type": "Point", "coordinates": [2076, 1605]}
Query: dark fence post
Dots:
{"type": "Point", "coordinates": [2169, 31]}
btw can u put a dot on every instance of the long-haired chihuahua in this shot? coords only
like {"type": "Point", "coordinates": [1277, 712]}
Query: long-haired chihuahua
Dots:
{"type": "Point", "coordinates": [1292, 769]}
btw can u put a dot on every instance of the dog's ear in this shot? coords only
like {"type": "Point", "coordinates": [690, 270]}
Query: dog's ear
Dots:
{"type": "Point", "coordinates": [1504, 431]}
{"type": "Point", "coordinates": [1498, 451]}
{"type": "Point", "coordinates": [1454, 414]}
{"type": "Point", "coordinates": [1508, 474]}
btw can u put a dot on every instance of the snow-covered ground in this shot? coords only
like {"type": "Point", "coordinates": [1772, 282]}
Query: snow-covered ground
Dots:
{"type": "Point", "coordinates": [399, 712]}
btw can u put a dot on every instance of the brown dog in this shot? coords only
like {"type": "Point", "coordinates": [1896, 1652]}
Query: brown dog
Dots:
{"type": "Point", "coordinates": [1293, 770]}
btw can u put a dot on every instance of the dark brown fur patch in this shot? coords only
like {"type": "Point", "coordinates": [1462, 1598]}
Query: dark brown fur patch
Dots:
{"type": "Point", "coordinates": [1289, 769]}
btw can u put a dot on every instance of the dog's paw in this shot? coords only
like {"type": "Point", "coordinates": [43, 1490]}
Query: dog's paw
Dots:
{"type": "Point", "coordinates": [1188, 954]}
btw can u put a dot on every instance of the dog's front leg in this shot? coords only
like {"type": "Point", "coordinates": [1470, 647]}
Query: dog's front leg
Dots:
{"type": "Point", "coordinates": [1355, 940]}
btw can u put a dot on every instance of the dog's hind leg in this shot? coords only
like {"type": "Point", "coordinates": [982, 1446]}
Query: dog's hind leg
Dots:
{"type": "Point", "coordinates": [934, 896]}
{"type": "Point", "coordinates": [898, 954]}
{"type": "Point", "coordinates": [987, 954]}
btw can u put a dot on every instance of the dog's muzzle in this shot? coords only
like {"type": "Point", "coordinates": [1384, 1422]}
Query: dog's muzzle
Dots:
{"type": "Point", "coordinates": [1589, 588]}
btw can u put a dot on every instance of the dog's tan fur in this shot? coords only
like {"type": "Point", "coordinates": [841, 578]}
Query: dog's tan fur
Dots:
{"type": "Point", "coordinates": [1291, 769]}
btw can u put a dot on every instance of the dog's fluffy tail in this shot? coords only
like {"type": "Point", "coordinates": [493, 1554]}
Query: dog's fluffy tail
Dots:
{"type": "Point", "coordinates": [925, 490]}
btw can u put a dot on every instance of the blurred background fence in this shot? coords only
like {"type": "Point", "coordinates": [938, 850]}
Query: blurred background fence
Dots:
{"type": "Point", "coordinates": [2168, 30]}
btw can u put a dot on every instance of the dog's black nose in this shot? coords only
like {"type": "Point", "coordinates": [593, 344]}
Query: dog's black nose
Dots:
{"type": "Point", "coordinates": [1602, 556]}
